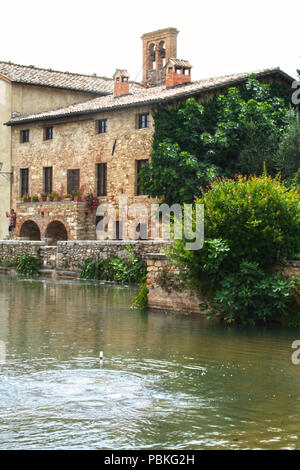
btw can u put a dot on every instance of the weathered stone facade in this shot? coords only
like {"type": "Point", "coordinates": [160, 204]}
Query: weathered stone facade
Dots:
{"type": "Point", "coordinates": [167, 297]}
{"type": "Point", "coordinates": [23, 98]}
{"type": "Point", "coordinates": [81, 147]}
{"type": "Point", "coordinates": [42, 221]}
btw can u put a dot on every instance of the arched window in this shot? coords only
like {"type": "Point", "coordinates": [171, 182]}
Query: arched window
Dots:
{"type": "Point", "coordinates": [152, 56]}
{"type": "Point", "coordinates": [162, 54]}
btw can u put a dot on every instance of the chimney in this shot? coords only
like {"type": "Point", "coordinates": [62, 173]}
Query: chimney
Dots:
{"type": "Point", "coordinates": [178, 72]}
{"type": "Point", "coordinates": [121, 83]}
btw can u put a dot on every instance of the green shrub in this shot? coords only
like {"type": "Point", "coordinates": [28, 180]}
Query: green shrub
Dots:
{"type": "Point", "coordinates": [257, 218]}
{"type": "Point", "coordinates": [252, 296]}
{"type": "Point", "coordinates": [254, 221]}
{"type": "Point", "coordinates": [115, 269]}
{"type": "Point", "coordinates": [28, 265]}
{"type": "Point", "coordinates": [12, 262]}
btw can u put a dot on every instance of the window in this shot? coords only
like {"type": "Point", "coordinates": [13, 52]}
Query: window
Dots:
{"type": "Point", "coordinates": [24, 180]}
{"type": "Point", "coordinates": [48, 179]}
{"type": "Point", "coordinates": [142, 230]}
{"type": "Point", "coordinates": [118, 230]}
{"type": "Point", "coordinates": [48, 133]}
{"type": "Point", "coordinates": [138, 166]}
{"type": "Point", "coordinates": [143, 120]}
{"type": "Point", "coordinates": [101, 176]}
{"type": "Point", "coordinates": [73, 180]}
{"type": "Point", "coordinates": [101, 126]}
{"type": "Point", "coordinates": [24, 136]}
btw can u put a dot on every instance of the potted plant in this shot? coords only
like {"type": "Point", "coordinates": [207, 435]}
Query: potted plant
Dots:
{"type": "Point", "coordinates": [26, 198]}
{"type": "Point", "coordinates": [35, 198]}
{"type": "Point", "coordinates": [55, 196]}
{"type": "Point", "coordinates": [77, 194]}
{"type": "Point", "coordinates": [67, 197]}
{"type": "Point", "coordinates": [43, 197]}
{"type": "Point", "coordinates": [91, 202]}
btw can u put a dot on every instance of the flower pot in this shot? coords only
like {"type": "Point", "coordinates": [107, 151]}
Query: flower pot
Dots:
{"type": "Point", "coordinates": [56, 198]}
{"type": "Point", "coordinates": [43, 199]}
{"type": "Point", "coordinates": [67, 199]}
{"type": "Point", "coordinates": [77, 198]}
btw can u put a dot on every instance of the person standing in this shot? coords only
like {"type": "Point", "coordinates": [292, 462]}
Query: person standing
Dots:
{"type": "Point", "coordinates": [12, 220]}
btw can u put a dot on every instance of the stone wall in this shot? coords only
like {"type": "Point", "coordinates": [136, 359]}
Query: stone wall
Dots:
{"type": "Point", "coordinates": [167, 297]}
{"type": "Point", "coordinates": [71, 255]}
{"type": "Point", "coordinates": [10, 249]}
{"type": "Point", "coordinates": [161, 295]}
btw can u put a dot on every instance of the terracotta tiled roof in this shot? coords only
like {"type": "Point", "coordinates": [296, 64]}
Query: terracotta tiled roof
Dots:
{"type": "Point", "coordinates": [179, 62]}
{"type": "Point", "coordinates": [73, 81]}
{"type": "Point", "coordinates": [146, 96]}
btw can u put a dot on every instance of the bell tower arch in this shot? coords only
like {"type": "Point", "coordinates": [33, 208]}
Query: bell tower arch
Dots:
{"type": "Point", "coordinates": [158, 47]}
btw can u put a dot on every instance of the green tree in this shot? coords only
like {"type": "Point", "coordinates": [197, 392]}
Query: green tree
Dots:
{"type": "Point", "coordinates": [233, 133]}
{"type": "Point", "coordinates": [288, 155]}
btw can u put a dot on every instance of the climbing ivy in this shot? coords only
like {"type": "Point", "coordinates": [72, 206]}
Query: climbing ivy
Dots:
{"type": "Point", "coordinates": [232, 133]}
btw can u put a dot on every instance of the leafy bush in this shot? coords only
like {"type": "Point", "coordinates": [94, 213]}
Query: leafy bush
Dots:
{"type": "Point", "coordinates": [250, 296]}
{"type": "Point", "coordinates": [28, 265]}
{"type": "Point", "coordinates": [248, 222]}
{"type": "Point", "coordinates": [115, 269]}
{"type": "Point", "coordinates": [12, 262]}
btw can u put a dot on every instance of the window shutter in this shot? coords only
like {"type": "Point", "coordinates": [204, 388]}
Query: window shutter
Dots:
{"type": "Point", "coordinates": [73, 180]}
{"type": "Point", "coordinates": [24, 186]}
{"type": "Point", "coordinates": [102, 179]}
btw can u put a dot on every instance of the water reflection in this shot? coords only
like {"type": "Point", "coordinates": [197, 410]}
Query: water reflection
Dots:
{"type": "Point", "coordinates": [167, 380]}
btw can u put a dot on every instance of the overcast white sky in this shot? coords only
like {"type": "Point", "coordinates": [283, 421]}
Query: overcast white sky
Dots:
{"type": "Point", "coordinates": [97, 36]}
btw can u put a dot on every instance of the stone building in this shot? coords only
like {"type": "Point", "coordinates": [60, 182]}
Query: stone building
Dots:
{"type": "Point", "coordinates": [98, 138]}
{"type": "Point", "coordinates": [27, 89]}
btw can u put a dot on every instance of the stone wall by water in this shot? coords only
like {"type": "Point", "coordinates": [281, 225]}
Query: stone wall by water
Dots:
{"type": "Point", "coordinates": [71, 255]}
{"type": "Point", "coordinates": [163, 293]}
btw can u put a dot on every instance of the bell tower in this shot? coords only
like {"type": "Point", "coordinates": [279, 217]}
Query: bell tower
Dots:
{"type": "Point", "coordinates": [158, 47]}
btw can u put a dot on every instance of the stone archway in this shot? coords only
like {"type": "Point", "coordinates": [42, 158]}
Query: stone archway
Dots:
{"type": "Point", "coordinates": [55, 231]}
{"type": "Point", "coordinates": [30, 231]}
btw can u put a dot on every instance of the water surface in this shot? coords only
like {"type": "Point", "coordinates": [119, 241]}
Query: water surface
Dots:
{"type": "Point", "coordinates": [168, 381]}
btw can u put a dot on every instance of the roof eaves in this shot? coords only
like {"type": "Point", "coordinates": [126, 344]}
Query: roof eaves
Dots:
{"type": "Point", "coordinates": [167, 99]}
{"type": "Point", "coordinates": [84, 90]}
{"type": "Point", "coordinates": [6, 79]}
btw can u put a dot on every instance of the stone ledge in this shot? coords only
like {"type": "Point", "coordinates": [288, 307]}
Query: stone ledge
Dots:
{"type": "Point", "coordinates": [158, 256]}
{"type": "Point", "coordinates": [112, 242]}
{"type": "Point", "coordinates": [22, 242]}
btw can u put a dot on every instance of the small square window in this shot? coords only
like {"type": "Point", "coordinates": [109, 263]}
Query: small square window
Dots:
{"type": "Point", "coordinates": [143, 121]}
{"type": "Point", "coordinates": [101, 126]}
{"type": "Point", "coordinates": [48, 133]}
{"type": "Point", "coordinates": [24, 136]}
